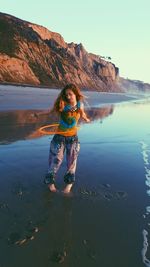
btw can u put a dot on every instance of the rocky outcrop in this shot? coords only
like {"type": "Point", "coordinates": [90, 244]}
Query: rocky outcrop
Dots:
{"type": "Point", "coordinates": [133, 86]}
{"type": "Point", "coordinates": [45, 34]}
{"type": "Point", "coordinates": [15, 69]}
{"type": "Point", "coordinates": [31, 54]}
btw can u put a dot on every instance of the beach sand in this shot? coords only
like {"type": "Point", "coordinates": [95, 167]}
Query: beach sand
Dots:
{"type": "Point", "coordinates": [23, 98]}
{"type": "Point", "coordinates": [105, 220]}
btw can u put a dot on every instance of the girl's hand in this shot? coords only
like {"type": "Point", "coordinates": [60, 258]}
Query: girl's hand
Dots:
{"type": "Point", "coordinates": [87, 120]}
{"type": "Point", "coordinates": [37, 114]}
{"type": "Point", "coordinates": [61, 105]}
{"type": "Point", "coordinates": [34, 115]}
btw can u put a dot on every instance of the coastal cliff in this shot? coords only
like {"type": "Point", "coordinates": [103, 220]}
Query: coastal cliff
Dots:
{"type": "Point", "coordinates": [133, 86]}
{"type": "Point", "coordinates": [31, 54]}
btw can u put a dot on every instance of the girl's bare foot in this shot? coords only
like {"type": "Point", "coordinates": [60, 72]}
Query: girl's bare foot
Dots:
{"type": "Point", "coordinates": [67, 189]}
{"type": "Point", "coordinates": [52, 188]}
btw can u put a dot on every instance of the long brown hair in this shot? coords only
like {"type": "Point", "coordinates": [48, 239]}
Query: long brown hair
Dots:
{"type": "Point", "coordinates": [61, 99]}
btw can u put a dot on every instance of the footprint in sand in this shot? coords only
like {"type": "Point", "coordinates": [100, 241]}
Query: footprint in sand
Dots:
{"type": "Point", "coordinates": [104, 191]}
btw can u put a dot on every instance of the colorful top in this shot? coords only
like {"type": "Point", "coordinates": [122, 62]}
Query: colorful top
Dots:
{"type": "Point", "coordinates": [69, 119]}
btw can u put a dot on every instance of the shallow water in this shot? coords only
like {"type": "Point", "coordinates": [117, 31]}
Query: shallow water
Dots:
{"type": "Point", "coordinates": [106, 220]}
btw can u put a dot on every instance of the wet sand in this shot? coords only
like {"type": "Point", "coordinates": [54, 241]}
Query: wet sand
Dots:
{"type": "Point", "coordinates": [23, 98]}
{"type": "Point", "coordinates": [105, 221]}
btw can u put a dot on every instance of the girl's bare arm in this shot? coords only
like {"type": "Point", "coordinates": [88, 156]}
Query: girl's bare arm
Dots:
{"type": "Point", "coordinates": [45, 112]}
{"type": "Point", "coordinates": [83, 115]}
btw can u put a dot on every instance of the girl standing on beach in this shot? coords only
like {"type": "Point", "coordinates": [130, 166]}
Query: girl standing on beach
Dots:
{"type": "Point", "coordinates": [70, 108]}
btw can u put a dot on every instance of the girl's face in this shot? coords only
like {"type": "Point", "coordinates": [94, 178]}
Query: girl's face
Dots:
{"type": "Point", "coordinates": [70, 96]}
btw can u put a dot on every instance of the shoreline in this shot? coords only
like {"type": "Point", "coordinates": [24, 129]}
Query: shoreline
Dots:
{"type": "Point", "coordinates": [24, 97]}
{"type": "Point", "coordinates": [111, 185]}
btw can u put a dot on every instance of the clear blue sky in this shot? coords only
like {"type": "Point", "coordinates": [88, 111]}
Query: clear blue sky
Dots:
{"type": "Point", "coordinates": [115, 28]}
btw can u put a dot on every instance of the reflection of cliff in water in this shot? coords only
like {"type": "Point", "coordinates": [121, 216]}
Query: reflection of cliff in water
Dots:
{"type": "Point", "coordinates": [22, 124]}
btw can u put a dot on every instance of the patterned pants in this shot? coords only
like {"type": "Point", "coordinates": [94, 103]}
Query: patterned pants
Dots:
{"type": "Point", "coordinates": [58, 146]}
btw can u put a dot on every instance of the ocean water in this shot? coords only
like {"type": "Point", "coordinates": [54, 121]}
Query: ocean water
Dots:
{"type": "Point", "coordinates": [106, 220]}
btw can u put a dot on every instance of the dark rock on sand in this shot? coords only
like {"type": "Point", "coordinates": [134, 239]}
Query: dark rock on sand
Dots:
{"type": "Point", "coordinates": [58, 257]}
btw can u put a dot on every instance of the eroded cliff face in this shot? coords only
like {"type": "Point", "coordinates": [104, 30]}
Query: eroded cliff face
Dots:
{"type": "Point", "coordinates": [31, 54]}
{"type": "Point", "coordinates": [15, 69]}
{"type": "Point", "coordinates": [133, 86]}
